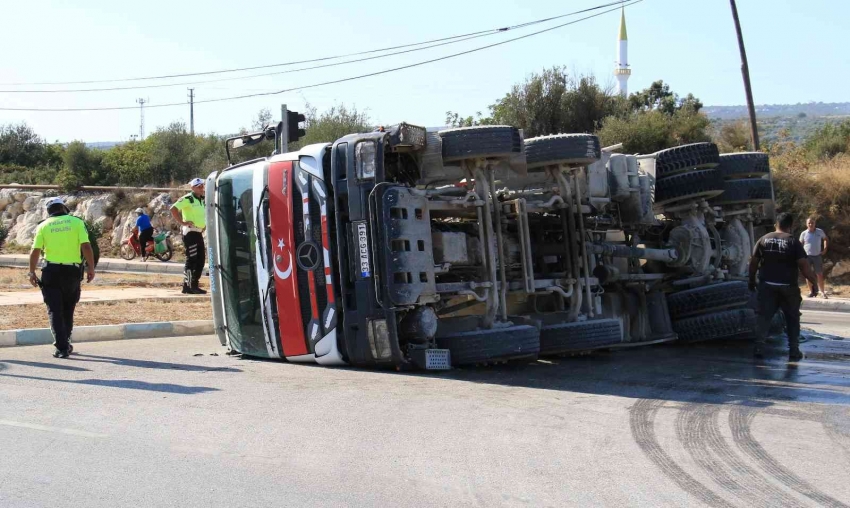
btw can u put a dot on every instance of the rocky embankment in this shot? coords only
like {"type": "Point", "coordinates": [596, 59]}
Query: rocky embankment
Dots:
{"type": "Point", "coordinates": [21, 211]}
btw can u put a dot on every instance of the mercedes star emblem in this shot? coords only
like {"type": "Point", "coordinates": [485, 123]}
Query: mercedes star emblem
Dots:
{"type": "Point", "coordinates": [307, 256]}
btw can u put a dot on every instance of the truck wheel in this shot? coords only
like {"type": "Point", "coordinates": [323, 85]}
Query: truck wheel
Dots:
{"type": "Point", "coordinates": [705, 299]}
{"type": "Point", "coordinates": [744, 165]}
{"type": "Point", "coordinates": [746, 190]}
{"type": "Point", "coordinates": [737, 323]}
{"type": "Point", "coordinates": [562, 149]}
{"type": "Point", "coordinates": [702, 183]}
{"type": "Point", "coordinates": [480, 142]}
{"type": "Point", "coordinates": [580, 336]}
{"type": "Point", "coordinates": [682, 158]}
{"type": "Point", "coordinates": [495, 345]}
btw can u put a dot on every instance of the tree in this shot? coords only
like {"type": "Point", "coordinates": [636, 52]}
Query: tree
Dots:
{"type": "Point", "coordinates": [84, 166]}
{"type": "Point", "coordinates": [172, 154]}
{"type": "Point", "coordinates": [332, 124]}
{"type": "Point", "coordinates": [555, 101]}
{"type": "Point", "coordinates": [650, 131]}
{"type": "Point", "coordinates": [658, 96]}
{"type": "Point", "coordinates": [453, 119]}
{"type": "Point", "coordinates": [658, 119]}
{"type": "Point", "coordinates": [262, 120]}
{"type": "Point", "coordinates": [129, 163]}
{"type": "Point", "coordinates": [829, 140]}
{"type": "Point", "coordinates": [21, 146]}
{"type": "Point", "coordinates": [732, 136]}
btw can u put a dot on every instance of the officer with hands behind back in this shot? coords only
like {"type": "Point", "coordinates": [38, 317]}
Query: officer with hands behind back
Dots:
{"type": "Point", "coordinates": [189, 212]}
{"type": "Point", "coordinates": [61, 237]}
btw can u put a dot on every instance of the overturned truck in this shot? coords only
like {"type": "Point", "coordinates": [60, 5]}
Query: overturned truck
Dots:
{"type": "Point", "coordinates": [413, 247]}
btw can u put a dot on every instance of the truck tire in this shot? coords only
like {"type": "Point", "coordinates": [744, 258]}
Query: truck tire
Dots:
{"type": "Point", "coordinates": [744, 165]}
{"type": "Point", "coordinates": [562, 149]}
{"type": "Point", "coordinates": [580, 336]}
{"type": "Point", "coordinates": [745, 190]}
{"type": "Point", "coordinates": [480, 142]}
{"type": "Point", "coordinates": [701, 183]}
{"type": "Point", "coordinates": [679, 159]}
{"type": "Point", "coordinates": [495, 345]}
{"type": "Point", "coordinates": [736, 323]}
{"type": "Point", "coordinates": [705, 299]}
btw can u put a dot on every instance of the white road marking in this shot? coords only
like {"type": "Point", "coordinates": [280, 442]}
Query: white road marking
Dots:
{"type": "Point", "coordinates": [58, 430]}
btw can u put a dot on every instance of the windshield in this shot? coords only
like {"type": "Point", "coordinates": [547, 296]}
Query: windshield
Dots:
{"type": "Point", "coordinates": [242, 304]}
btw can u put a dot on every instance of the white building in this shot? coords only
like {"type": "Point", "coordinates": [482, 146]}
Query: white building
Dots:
{"type": "Point", "coordinates": [621, 68]}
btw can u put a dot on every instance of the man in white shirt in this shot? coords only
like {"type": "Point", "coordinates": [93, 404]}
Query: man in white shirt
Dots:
{"type": "Point", "coordinates": [815, 242]}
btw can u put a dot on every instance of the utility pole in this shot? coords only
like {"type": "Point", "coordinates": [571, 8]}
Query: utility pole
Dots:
{"type": "Point", "coordinates": [745, 70]}
{"type": "Point", "coordinates": [142, 103]}
{"type": "Point", "coordinates": [192, 111]}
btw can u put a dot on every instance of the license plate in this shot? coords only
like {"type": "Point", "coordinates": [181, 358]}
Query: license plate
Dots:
{"type": "Point", "coordinates": [363, 247]}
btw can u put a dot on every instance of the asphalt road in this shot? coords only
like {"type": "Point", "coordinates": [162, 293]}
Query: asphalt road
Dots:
{"type": "Point", "coordinates": [165, 422]}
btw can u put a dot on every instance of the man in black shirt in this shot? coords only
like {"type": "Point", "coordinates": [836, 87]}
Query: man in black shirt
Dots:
{"type": "Point", "coordinates": [776, 258]}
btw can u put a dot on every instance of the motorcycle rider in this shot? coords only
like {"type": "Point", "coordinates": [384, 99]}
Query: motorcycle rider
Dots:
{"type": "Point", "coordinates": [144, 229]}
{"type": "Point", "coordinates": [189, 212]}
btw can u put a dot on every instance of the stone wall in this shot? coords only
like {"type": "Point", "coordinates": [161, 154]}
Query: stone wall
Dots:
{"type": "Point", "coordinates": [21, 211]}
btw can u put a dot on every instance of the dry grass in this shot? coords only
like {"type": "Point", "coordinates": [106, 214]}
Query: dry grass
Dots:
{"type": "Point", "coordinates": [820, 188]}
{"type": "Point", "coordinates": [108, 313]}
{"type": "Point", "coordinates": [14, 248]}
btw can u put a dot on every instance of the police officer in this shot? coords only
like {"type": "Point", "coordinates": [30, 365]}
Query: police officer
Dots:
{"type": "Point", "coordinates": [189, 212]}
{"type": "Point", "coordinates": [61, 237]}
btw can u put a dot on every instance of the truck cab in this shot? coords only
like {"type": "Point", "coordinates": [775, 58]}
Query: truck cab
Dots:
{"type": "Point", "coordinates": [272, 278]}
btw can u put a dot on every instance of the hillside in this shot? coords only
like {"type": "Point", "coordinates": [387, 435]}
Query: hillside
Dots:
{"type": "Point", "coordinates": [820, 109]}
{"type": "Point", "coordinates": [796, 121]}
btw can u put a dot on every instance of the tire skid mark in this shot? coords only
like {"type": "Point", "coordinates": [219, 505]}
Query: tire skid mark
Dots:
{"type": "Point", "coordinates": [740, 420]}
{"type": "Point", "coordinates": [642, 421]}
{"type": "Point", "coordinates": [698, 429]}
{"type": "Point", "coordinates": [839, 434]}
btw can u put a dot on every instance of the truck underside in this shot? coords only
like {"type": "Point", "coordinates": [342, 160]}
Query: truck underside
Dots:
{"type": "Point", "coordinates": [410, 247]}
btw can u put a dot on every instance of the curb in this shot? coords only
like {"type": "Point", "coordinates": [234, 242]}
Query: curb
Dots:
{"type": "Point", "coordinates": [40, 336]}
{"type": "Point", "coordinates": [826, 305]}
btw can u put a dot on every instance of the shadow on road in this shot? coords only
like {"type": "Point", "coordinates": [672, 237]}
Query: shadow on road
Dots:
{"type": "Point", "coordinates": [43, 365]}
{"type": "Point", "coordinates": [145, 364]}
{"type": "Point", "coordinates": [124, 383]}
{"type": "Point", "coordinates": [714, 372]}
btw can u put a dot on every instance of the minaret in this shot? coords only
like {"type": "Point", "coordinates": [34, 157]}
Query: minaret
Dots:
{"type": "Point", "coordinates": [621, 70]}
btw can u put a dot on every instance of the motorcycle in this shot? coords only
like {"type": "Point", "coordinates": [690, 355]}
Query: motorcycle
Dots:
{"type": "Point", "coordinates": [160, 247]}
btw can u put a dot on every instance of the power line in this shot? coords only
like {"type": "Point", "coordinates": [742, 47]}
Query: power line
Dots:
{"type": "Point", "coordinates": [252, 76]}
{"type": "Point", "coordinates": [490, 31]}
{"type": "Point", "coordinates": [336, 81]}
{"type": "Point", "coordinates": [455, 40]}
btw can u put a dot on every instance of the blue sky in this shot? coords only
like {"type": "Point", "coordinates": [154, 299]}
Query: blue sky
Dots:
{"type": "Point", "coordinates": [797, 53]}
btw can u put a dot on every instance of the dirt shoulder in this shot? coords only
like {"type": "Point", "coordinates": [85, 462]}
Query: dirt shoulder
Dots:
{"type": "Point", "coordinates": [108, 313]}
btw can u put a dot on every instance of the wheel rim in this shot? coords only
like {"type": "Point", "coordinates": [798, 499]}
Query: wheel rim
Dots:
{"type": "Point", "coordinates": [127, 252]}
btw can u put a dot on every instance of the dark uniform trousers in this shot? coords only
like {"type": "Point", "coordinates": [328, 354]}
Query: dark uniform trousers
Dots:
{"type": "Point", "coordinates": [195, 258]}
{"type": "Point", "coordinates": [772, 298]}
{"type": "Point", "coordinates": [60, 287]}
